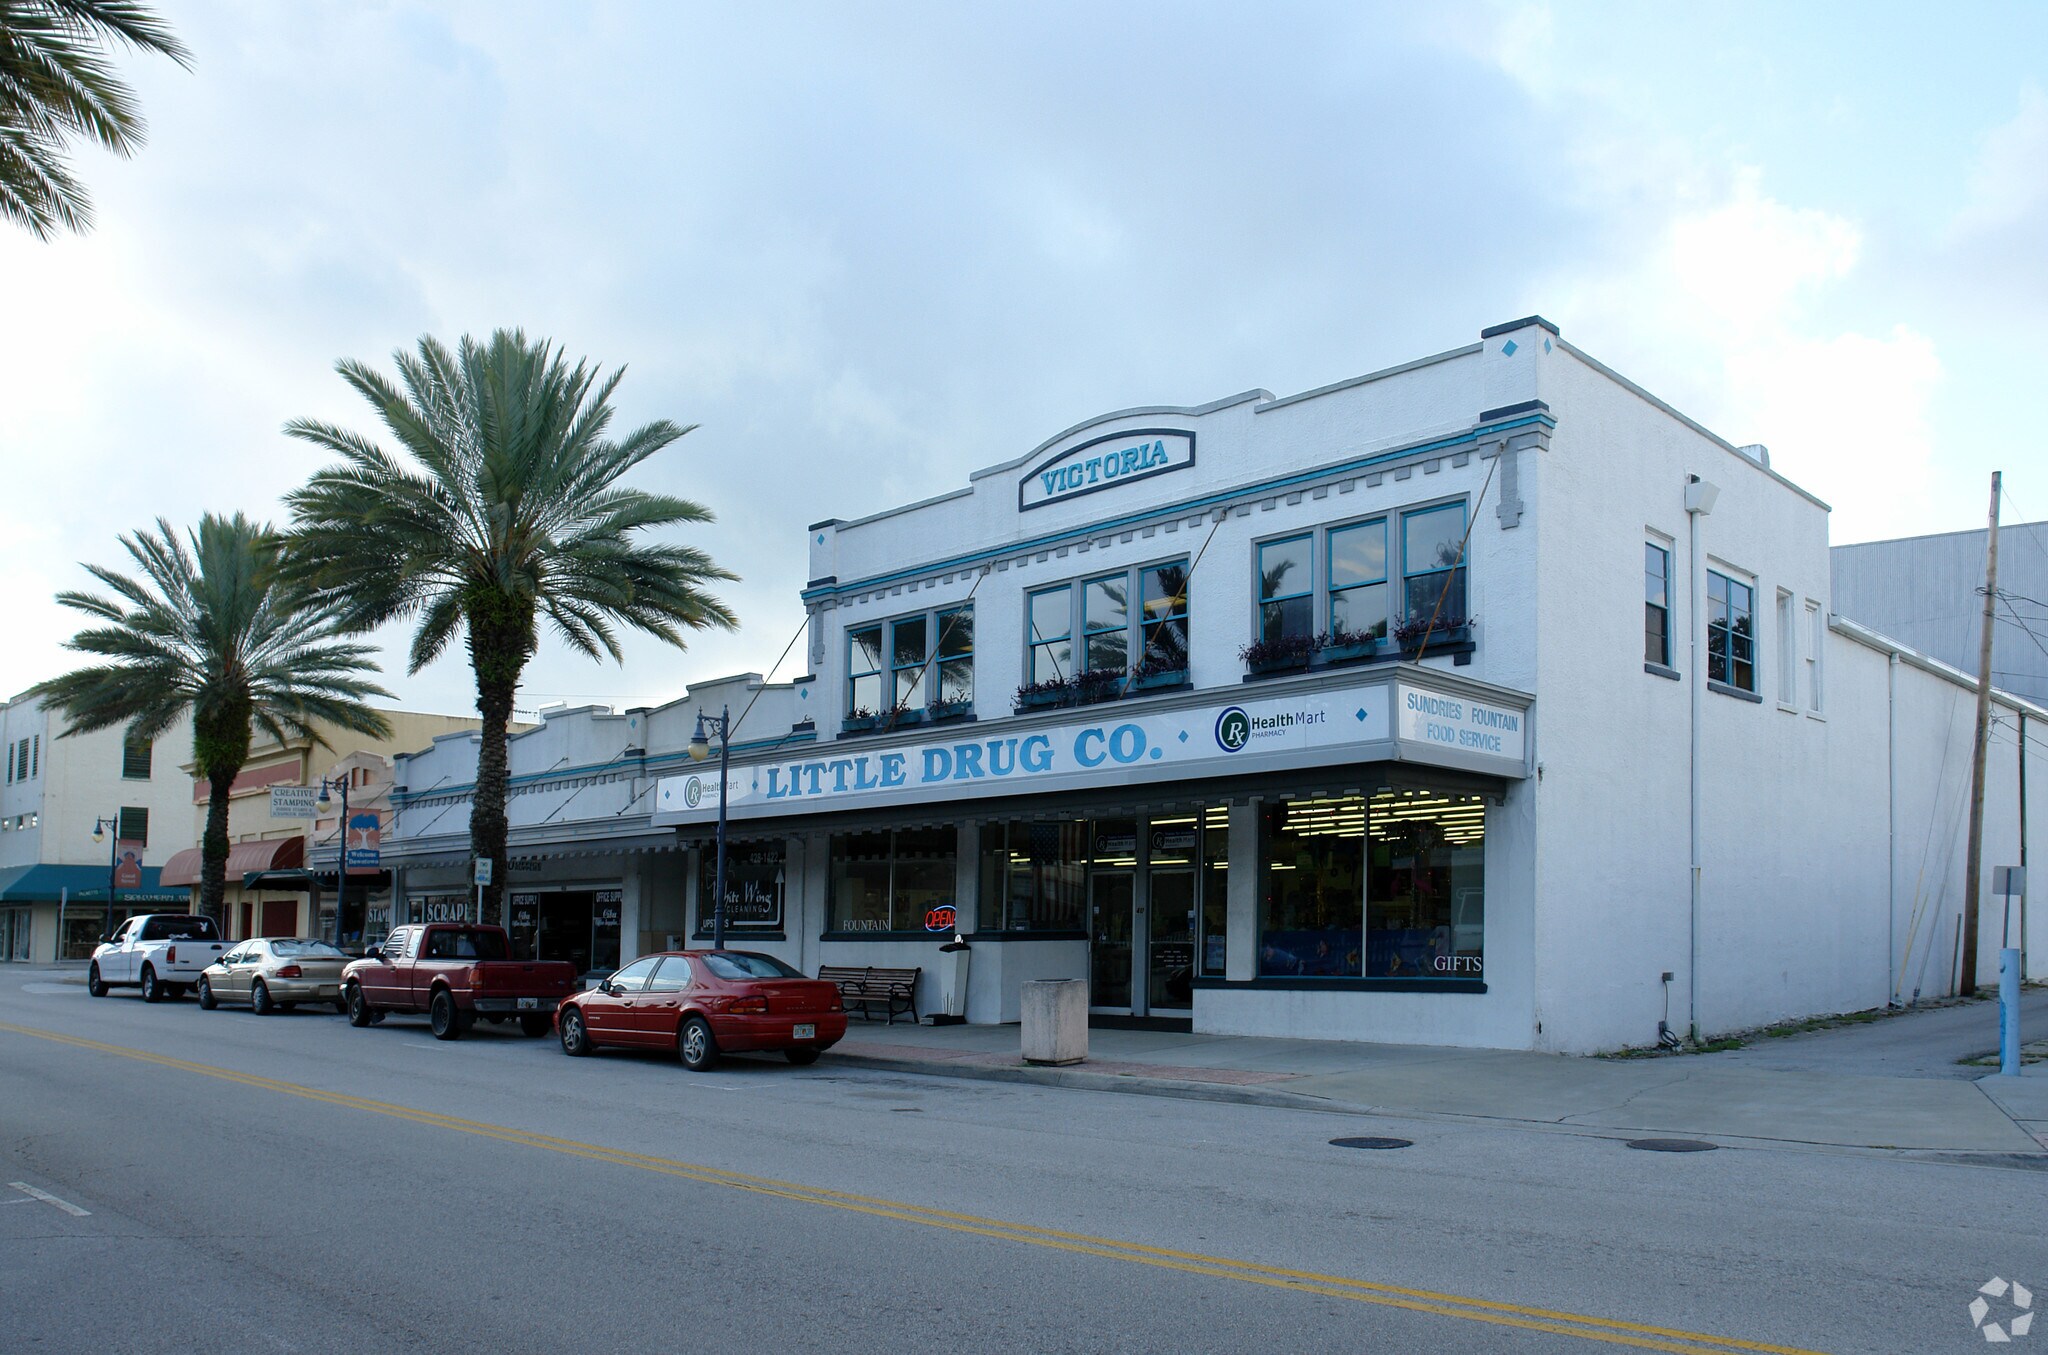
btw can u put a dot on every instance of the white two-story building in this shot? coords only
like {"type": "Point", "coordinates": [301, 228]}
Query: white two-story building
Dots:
{"type": "Point", "coordinates": [1484, 700]}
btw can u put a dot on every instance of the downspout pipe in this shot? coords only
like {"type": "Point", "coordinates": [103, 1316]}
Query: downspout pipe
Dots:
{"type": "Point", "coordinates": [1891, 828]}
{"type": "Point", "coordinates": [1699, 501]}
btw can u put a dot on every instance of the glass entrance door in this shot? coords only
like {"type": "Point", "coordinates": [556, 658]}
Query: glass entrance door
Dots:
{"type": "Point", "coordinates": [1111, 894]}
{"type": "Point", "coordinates": [1171, 954]}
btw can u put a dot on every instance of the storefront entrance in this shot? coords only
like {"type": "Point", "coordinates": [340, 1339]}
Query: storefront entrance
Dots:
{"type": "Point", "coordinates": [1144, 904]}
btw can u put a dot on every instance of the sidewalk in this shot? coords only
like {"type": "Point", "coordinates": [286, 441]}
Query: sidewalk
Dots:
{"type": "Point", "coordinates": [1822, 1088]}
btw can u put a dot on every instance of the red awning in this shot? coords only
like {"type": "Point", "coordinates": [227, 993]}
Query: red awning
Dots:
{"type": "Point", "coordinates": [181, 869]}
{"type": "Point", "coordinates": [277, 853]}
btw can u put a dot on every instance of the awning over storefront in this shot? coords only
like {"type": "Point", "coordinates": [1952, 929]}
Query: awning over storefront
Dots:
{"type": "Point", "coordinates": [298, 880]}
{"type": "Point", "coordinates": [182, 868]}
{"type": "Point", "coordinates": [1392, 714]}
{"type": "Point", "coordinates": [277, 853]}
{"type": "Point", "coordinates": [49, 884]}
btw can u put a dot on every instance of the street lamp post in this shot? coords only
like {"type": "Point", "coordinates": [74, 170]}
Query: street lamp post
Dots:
{"type": "Point", "coordinates": [103, 828]}
{"type": "Point", "coordinates": [341, 858]}
{"type": "Point", "coordinates": [700, 748]}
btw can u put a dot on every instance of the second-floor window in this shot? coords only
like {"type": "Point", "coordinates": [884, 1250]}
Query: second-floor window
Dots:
{"type": "Point", "coordinates": [1093, 624]}
{"type": "Point", "coordinates": [1656, 605]}
{"type": "Point", "coordinates": [1364, 578]}
{"type": "Point", "coordinates": [1731, 632]}
{"type": "Point", "coordinates": [914, 661]}
{"type": "Point", "coordinates": [135, 759]}
{"type": "Point", "coordinates": [133, 825]}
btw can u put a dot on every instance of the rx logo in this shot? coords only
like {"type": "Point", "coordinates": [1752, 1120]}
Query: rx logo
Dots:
{"type": "Point", "coordinates": [1233, 729]}
{"type": "Point", "coordinates": [693, 792]}
{"type": "Point", "coordinates": [2018, 1321]}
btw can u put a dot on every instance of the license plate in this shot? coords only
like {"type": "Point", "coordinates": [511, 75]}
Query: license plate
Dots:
{"type": "Point", "coordinates": [806, 1032]}
{"type": "Point", "coordinates": [528, 1003]}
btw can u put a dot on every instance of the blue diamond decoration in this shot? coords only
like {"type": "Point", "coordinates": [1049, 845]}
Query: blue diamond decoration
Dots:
{"type": "Point", "coordinates": [821, 538]}
{"type": "Point", "coordinates": [1183, 736]}
{"type": "Point", "coordinates": [1508, 349]}
{"type": "Point", "coordinates": [1360, 712]}
{"type": "Point", "coordinates": [1546, 345]}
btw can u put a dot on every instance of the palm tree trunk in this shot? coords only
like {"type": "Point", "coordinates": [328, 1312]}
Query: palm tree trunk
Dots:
{"type": "Point", "coordinates": [220, 745]}
{"type": "Point", "coordinates": [500, 641]}
{"type": "Point", "coordinates": [213, 849]}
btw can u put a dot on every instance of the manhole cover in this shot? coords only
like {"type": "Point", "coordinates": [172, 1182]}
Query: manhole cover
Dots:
{"type": "Point", "coordinates": [1672, 1145]}
{"type": "Point", "coordinates": [1370, 1142]}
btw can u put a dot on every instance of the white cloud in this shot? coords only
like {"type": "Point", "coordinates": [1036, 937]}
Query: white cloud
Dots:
{"type": "Point", "coordinates": [2010, 178]}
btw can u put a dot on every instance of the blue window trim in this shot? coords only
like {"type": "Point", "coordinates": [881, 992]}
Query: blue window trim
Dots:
{"type": "Point", "coordinates": [1464, 508]}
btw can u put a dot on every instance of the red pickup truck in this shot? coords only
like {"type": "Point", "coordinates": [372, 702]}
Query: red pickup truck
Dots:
{"type": "Point", "coordinates": [454, 972]}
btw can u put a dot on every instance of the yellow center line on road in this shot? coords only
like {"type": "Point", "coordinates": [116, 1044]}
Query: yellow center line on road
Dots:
{"type": "Point", "coordinates": [1607, 1330]}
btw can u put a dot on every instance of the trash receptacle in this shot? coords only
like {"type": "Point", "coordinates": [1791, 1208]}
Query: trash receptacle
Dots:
{"type": "Point", "coordinates": [1055, 1021]}
{"type": "Point", "coordinates": [953, 982]}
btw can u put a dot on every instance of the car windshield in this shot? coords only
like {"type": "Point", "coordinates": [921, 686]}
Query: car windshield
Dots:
{"type": "Point", "coordinates": [745, 964]}
{"type": "Point", "coordinates": [179, 929]}
{"type": "Point", "coordinates": [310, 950]}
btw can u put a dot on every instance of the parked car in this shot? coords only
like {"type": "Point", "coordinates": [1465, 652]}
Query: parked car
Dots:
{"type": "Point", "coordinates": [454, 972]}
{"type": "Point", "coordinates": [275, 974]}
{"type": "Point", "coordinates": [161, 953]}
{"type": "Point", "coordinates": [702, 1003]}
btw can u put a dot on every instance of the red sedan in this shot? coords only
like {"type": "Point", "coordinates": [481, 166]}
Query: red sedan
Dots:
{"type": "Point", "coordinates": [703, 1003]}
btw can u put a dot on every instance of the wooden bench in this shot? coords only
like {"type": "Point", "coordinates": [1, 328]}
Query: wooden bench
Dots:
{"type": "Point", "coordinates": [863, 986]}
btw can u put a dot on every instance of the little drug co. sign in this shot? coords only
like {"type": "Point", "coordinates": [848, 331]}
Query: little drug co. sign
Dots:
{"type": "Point", "coordinates": [1264, 733]}
{"type": "Point", "coordinates": [1106, 462]}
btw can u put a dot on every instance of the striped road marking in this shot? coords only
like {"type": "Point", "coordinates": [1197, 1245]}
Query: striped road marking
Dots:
{"type": "Point", "coordinates": [1610, 1331]}
{"type": "Point", "coordinates": [47, 1198]}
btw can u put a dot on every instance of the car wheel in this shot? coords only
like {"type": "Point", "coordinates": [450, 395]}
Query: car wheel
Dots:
{"type": "Point", "coordinates": [358, 1007]}
{"type": "Point", "coordinates": [445, 1017]}
{"type": "Point", "coordinates": [152, 991]}
{"type": "Point", "coordinates": [534, 1026]}
{"type": "Point", "coordinates": [206, 998]}
{"type": "Point", "coordinates": [695, 1046]}
{"type": "Point", "coordinates": [575, 1036]}
{"type": "Point", "coordinates": [94, 985]}
{"type": "Point", "coordinates": [259, 999]}
{"type": "Point", "coordinates": [802, 1058]}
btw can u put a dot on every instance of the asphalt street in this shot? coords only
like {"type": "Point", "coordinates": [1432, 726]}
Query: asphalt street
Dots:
{"type": "Point", "coordinates": [176, 1179]}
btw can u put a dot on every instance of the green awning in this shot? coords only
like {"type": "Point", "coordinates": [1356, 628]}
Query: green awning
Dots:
{"type": "Point", "coordinates": [44, 883]}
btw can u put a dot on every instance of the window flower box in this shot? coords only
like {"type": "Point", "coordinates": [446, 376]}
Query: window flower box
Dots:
{"type": "Point", "coordinates": [859, 720]}
{"type": "Point", "coordinates": [1043, 695]}
{"type": "Point", "coordinates": [1448, 633]}
{"type": "Point", "coordinates": [944, 712]}
{"type": "Point", "coordinates": [1288, 654]}
{"type": "Point", "coordinates": [1343, 648]}
{"type": "Point", "coordinates": [1162, 680]}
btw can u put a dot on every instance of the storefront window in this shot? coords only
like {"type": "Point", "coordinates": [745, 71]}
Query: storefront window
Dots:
{"type": "Point", "coordinates": [1426, 886]}
{"type": "Point", "coordinates": [893, 881]}
{"type": "Point", "coordinates": [753, 885]}
{"type": "Point", "coordinates": [1312, 888]}
{"type": "Point", "coordinates": [1032, 875]}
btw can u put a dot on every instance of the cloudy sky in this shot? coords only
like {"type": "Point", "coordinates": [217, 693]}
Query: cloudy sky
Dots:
{"type": "Point", "coordinates": [869, 248]}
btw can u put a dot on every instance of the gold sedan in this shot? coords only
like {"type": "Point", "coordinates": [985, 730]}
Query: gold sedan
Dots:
{"type": "Point", "coordinates": [274, 973]}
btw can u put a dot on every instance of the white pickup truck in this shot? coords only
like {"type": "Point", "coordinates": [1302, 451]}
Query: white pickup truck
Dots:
{"type": "Point", "coordinates": [160, 952]}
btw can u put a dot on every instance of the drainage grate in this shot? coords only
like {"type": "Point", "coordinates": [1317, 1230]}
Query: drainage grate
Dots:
{"type": "Point", "coordinates": [1672, 1145]}
{"type": "Point", "coordinates": [1370, 1142]}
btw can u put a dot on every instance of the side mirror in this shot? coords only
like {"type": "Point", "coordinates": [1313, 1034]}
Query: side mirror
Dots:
{"type": "Point", "coordinates": [374, 953]}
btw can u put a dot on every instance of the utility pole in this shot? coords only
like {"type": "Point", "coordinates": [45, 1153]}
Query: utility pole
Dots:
{"type": "Point", "coordinates": [1975, 857]}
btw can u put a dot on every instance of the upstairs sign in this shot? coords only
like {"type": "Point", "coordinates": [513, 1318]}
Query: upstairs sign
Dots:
{"type": "Point", "coordinates": [1135, 454]}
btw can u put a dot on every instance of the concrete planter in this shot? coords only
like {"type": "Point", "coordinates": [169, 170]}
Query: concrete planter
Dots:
{"type": "Point", "coordinates": [1055, 1024]}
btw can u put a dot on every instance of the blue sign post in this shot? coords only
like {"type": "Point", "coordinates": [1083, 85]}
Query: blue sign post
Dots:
{"type": "Point", "coordinates": [2009, 1012]}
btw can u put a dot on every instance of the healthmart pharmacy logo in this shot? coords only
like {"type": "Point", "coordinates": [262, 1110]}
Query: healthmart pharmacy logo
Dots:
{"type": "Point", "coordinates": [693, 792]}
{"type": "Point", "coordinates": [2013, 1316]}
{"type": "Point", "coordinates": [1235, 727]}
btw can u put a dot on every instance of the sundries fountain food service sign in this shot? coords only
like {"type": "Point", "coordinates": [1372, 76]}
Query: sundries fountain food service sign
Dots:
{"type": "Point", "coordinates": [1109, 746]}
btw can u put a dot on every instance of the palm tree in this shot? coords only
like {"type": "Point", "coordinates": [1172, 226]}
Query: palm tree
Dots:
{"type": "Point", "coordinates": [56, 83]}
{"type": "Point", "coordinates": [212, 631]}
{"type": "Point", "coordinates": [502, 506]}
